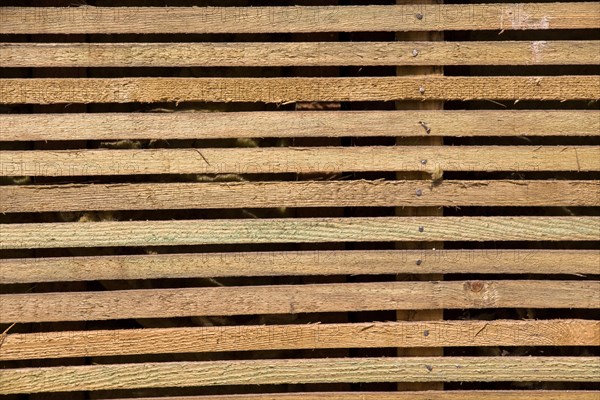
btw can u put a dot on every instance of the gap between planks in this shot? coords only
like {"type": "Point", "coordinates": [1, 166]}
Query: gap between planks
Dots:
{"type": "Point", "coordinates": [292, 299]}
{"type": "Point", "coordinates": [274, 160]}
{"type": "Point", "coordinates": [298, 263]}
{"type": "Point", "coordinates": [380, 18]}
{"type": "Point", "coordinates": [218, 125]}
{"type": "Point", "coordinates": [424, 334]}
{"type": "Point", "coordinates": [290, 371]}
{"type": "Point", "coordinates": [282, 90]}
{"type": "Point", "coordinates": [252, 54]}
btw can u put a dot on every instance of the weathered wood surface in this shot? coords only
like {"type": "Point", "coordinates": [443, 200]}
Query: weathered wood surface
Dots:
{"type": "Point", "coordinates": [291, 299]}
{"type": "Point", "coordinates": [404, 334]}
{"type": "Point", "coordinates": [296, 230]}
{"type": "Point", "coordinates": [390, 18]}
{"type": "Point", "coordinates": [256, 372]}
{"type": "Point", "coordinates": [412, 395]}
{"type": "Point", "coordinates": [216, 125]}
{"type": "Point", "coordinates": [253, 54]}
{"type": "Point", "coordinates": [282, 90]}
{"type": "Point", "coordinates": [292, 263]}
{"type": "Point", "coordinates": [86, 162]}
{"type": "Point", "coordinates": [360, 193]}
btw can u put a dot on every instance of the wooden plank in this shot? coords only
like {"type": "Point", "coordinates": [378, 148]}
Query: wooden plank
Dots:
{"type": "Point", "coordinates": [255, 54]}
{"type": "Point", "coordinates": [217, 125]}
{"type": "Point", "coordinates": [325, 370]}
{"type": "Point", "coordinates": [296, 230]}
{"type": "Point", "coordinates": [390, 18]}
{"type": "Point", "coordinates": [281, 90]}
{"type": "Point", "coordinates": [293, 263]}
{"type": "Point", "coordinates": [275, 160]}
{"type": "Point", "coordinates": [360, 193]}
{"type": "Point", "coordinates": [413, 395]}
{"type": "Point", "coordinates": [292, 299]}
{"type": "Point", "coordinates": [64, 344]}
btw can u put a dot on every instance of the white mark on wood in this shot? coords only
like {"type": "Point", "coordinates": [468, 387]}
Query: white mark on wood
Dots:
{"type": "Point", "coordinates": [537, 51]}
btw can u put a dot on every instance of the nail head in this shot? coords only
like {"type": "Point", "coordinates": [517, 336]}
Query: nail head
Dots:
{"type": "Point", "coordinates": [419, 16]}
{"type": "Point", "coordinates": [419, 192]}
{"type": "Point", "coordinates": [421, 229]}
{"type": "Point", "coordinates": [415, 52]}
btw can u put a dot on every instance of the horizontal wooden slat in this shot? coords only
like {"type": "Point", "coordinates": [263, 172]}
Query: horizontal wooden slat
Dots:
{"type": "Point", "coordinates": [281, 90]}
{"type": "Point", "coordinates": [198, 125]}
{"type": "Point", "coordinates": [292, 299]}
{"type": "Point", "coordinates": [328, 370]}
{"type": "Point", "coordinates": [145, 196]}
{"type": "Point", "coordinates": [253, 54]}
{"type": "Point", "coordinates": [285, 263]}
{"type": "Point", "coordinates": [430, 159]}
{"type": "Point", "coordinates": [409, 395]}
{"type": "Point", "coordinates": [295, 230]}
{"type": "Point", "coordinates": [533, 16]}
{"type": "Point", "coordinates": [310, 336]}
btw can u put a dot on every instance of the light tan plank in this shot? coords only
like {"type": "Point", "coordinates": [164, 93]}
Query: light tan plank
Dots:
{"type": "Point", "coordinates": [255, 372]}
{"type": "Point", "coordinates": [281, 90]}
{"type": "Point", "coordinates": [253, 54]}
{"type": "Point", "coordinates": [418, 395]}
{"type": "Point", "coordinates": [292, 299]}
{"type": "Point", "coordinates": [64, 344]}
{"type": "Point", "coordinates": [296, 230]}
{"type": "Point", "coordinates": [164, 196]}
{"type": "Point", "coordinates": [533, 16]}
{"type": "Point", "coordinates": [285, 263]}
{"type": "Point", "coordinates": [298, 160]}
{"type": "Point", "coordinates": [106, 126]}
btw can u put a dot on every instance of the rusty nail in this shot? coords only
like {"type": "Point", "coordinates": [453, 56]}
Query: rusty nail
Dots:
{"type": "Point", "coordinates": [419, 262]}
{"type": "Point", "coordinates": [419, 16]}
{"type": "Point", "coordinates": [421, 229]}
{"type": "Point", "coordinates": [425, 333]}
{"type": "Point", "coordinates": [419, 192]}
{"type": "Point", "coordinates": [415, 52]}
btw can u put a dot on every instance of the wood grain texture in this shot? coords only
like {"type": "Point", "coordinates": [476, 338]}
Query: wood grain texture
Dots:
{"type": "Point", "coordinates": [275, 160]}
{"type": "Point", "coordinates": [293, 263]}
{"type": "Point", "coordinates": [254, 54]}
{"type": "Point", "coordinates": [360, 193]}
{"type": "Point", "coordinates": [413, 395]}
{"type": "Point", "coordinates": [292, 299]}
{"type": "Point", "coordinates": [282, 90]}
{"type": "Point", "coordinates": [255, 372]}
{"type": "Point", "coordinates": [296, 230]}
{"type": "Point", "coordinates": [216, 125]}
{"type": "Point", "coordinates": [390, 18]}
{"type": "Point", "coordinates": [92, 343]}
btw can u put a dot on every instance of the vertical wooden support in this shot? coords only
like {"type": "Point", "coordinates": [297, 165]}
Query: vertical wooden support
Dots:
{"type": "Point", "coordinates": [417, 12]}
